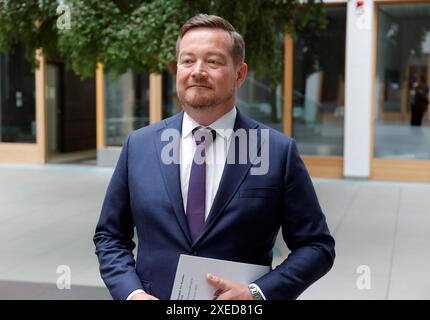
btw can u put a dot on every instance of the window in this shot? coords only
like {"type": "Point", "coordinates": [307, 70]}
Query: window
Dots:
{"type": "Point", "coordinates": [402, 72]}
{"type": "Point", "coordinates": [259, 99]}
{"type": "Point", "coordinates": [170, 103]}
{"type": "Point", "coordinates": [126, 105]}
{"type": "Point", "coordinates": [17, 98]}
{"type": "Point", "coordinates": [318, 86]}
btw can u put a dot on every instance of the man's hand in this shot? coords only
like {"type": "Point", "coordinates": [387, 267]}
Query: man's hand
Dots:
{"type": "Point", "coordinates": [228, 290]}
{"type": "Point", "coordinates": [143, 296]}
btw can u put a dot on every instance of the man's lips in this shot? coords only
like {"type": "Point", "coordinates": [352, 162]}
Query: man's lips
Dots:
{"type": "Point", "coordinates": [198, 86]}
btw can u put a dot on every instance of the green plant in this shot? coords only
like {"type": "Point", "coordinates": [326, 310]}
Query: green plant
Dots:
{"type": "Point", "coordinates": [141, 34]}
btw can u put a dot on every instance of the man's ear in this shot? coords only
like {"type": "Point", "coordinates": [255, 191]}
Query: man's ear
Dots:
{"type": "Point", "coordinates": [241, 74]}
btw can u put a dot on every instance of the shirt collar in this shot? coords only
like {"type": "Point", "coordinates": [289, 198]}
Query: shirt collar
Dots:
{"type": "Point", "coordinates": [221, 125]}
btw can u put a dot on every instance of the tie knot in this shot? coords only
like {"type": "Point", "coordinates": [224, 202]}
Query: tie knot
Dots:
{"type": "Point", "coordinates": [204, 135]}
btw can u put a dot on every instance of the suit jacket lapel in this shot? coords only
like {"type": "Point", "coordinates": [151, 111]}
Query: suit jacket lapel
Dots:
{"type": "Point", "coordinates": [171, 174]}
{"type": "Point", "coordinates": [232, 176]}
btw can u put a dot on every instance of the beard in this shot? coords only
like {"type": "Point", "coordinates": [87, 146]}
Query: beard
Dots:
{"type": "Point", "coordinates": [203, 100]}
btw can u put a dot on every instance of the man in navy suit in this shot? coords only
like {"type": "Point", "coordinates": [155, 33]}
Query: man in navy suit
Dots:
{"type": "Point", "coordinates": [183, 195]}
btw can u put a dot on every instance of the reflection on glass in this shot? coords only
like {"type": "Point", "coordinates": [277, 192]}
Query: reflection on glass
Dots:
{"type": "Point", "coordinates": [170, 103]}
{"type": "Point", "coordinates": [318, 86]}
{"type": "Point", "coordinates": [17, 98]}
{"type": "Point", "coordinates": [262, 101]}
{"type": "Point", "coordinates": [126, 105]}
{"type": "Point", "coordinates": [402, 71]}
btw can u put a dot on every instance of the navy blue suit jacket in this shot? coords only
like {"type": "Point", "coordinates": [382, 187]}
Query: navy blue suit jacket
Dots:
{"type": "Point", "coordinates": [144, 195]}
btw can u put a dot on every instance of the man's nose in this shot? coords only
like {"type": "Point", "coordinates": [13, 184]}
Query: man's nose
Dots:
{"type": "Point", "coordinates": [199, 70]}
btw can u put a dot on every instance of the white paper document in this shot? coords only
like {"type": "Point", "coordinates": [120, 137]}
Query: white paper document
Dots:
{"type": "Point", "coordinates": [190, 280]}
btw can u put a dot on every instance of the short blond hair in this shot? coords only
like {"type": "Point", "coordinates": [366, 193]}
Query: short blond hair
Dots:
{"type": "Point", "coordinates": [216, 22]}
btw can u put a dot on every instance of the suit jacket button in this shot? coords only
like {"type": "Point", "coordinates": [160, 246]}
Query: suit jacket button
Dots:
{"type": "Point", "coordinates": [194, 253]}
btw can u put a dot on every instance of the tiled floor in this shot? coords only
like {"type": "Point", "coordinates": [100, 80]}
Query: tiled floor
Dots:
{"type": "Point", "coordinates": [48, 215]}
{"type": "Point", "coordinates": [23, 290]}
{"type": "Point", "coordinates": [383, 226]}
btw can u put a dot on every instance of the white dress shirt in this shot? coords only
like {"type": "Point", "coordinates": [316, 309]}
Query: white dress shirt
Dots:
{"type": "Point", "coordinates": [216, 155]}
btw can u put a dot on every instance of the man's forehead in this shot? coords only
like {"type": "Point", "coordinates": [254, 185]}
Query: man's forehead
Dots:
{"type": "Point", "coordinates": [202, 36]}
{"type": "Point", "coordinates": [199, 30]}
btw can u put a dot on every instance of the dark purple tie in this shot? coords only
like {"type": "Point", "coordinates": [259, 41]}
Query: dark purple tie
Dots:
{"type": "Point", "coordinates": [197, 185]}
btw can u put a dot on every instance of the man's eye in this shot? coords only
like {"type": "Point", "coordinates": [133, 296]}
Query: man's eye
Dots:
{"type": "Point", "coordinates": [187, 61]}
{"type": "Point", "coordinates": [213, 62]}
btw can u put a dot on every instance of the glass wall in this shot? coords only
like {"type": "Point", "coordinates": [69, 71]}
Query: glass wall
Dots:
{"type": "Point", "coordinates": [318, 86]}
{"type": "Point", "coordinates": [261, 100]}
{"type": "Point", "coordinates": [170, 103]}
{"type": "Point", "coordinates": [126, 105]}
{"type": "Point", "coordinates": [17, 98]}
{"type": "Point", "coordinates": [402, 128]}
